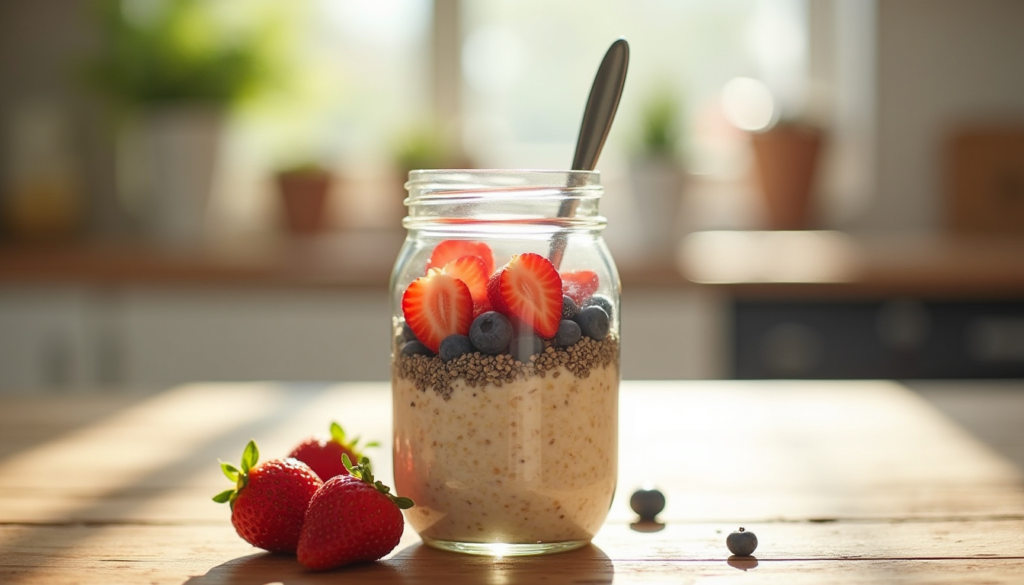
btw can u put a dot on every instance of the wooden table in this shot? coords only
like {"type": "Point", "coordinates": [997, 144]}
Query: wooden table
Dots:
{"type": "Point", "coordinates": [841, 481]}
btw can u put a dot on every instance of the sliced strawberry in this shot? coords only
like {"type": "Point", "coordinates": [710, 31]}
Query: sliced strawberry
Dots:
{"type": "Point", "coordinates": [437, 305]}
{"type": "Point", "coordinates": [449, 250]}
{"type": "Point", "coordinates": [579, 285]}
{"type": "Point", "coordinates": [494, 293]}
{"type": "Point", "coordinates": [530, 289]}
{"type": "Point", "coordinates": [482, 307]}
{"type": "Point", "coordinates": [473, 273]}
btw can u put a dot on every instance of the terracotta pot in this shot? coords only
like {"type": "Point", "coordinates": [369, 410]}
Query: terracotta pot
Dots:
{"type": "Point", "coordinates": [304, 196]}
{"type": "Point", "coordinates": [786, 159]}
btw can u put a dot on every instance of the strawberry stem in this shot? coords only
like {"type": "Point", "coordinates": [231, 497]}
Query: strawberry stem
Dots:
{"type": "Point", "coordinates": [363, 472]}
{"type": "Point", "coordinates": [250, 456]}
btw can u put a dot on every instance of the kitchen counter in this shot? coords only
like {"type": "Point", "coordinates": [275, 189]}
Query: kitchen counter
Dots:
{"type": "Point", "coordinates": [843, 482]}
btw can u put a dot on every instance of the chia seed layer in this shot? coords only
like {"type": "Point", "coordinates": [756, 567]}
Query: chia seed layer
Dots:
{"type": "Point", "coordinates": [478, 370]}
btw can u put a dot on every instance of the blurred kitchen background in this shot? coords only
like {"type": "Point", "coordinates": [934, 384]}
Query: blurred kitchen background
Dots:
{"type": "Point", "coordinates": [212, 189]}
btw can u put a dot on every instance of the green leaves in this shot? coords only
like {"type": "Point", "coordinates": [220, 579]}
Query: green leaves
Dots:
{"type": "Point", "coordinates": [363, 472]}
{"type": "Point", "coordinates": [250, 456]}
{"type": "Point", "coordinates": [338, 436]}
{"type": "Point", "coordinates": [337, 433]}
{"type": "Point", "coordinates": [230, 471]}
{"type": "Point", "coordinates": [224, 496]}
{"type": "Point", "coordinates": [402, 503]}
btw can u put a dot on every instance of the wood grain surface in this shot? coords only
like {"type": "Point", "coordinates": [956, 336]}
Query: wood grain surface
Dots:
{"type": "Point", "coordinates": [845, 482]}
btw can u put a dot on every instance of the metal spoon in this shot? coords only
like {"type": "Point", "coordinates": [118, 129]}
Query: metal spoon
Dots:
{"type": "Point", "coordinates": [597, 122]}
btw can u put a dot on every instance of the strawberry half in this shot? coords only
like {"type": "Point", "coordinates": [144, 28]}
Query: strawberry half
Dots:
{"type": "Point", "coordinates": [529, 288]}
{"type": "Point", "coordinates": [437, 305]}
{"type": "Point", "coordinates": [579, 285]}
{"type": "Point", "coordinates": [351, 519]}
{"type": "Point", "coordinates": [449, 250]}
{"type": "Point", "coordinates": [472, 271]}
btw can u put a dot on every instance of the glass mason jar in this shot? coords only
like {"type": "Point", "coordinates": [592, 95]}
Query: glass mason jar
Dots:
{"type": "Point", "coordinates": [505, 361]}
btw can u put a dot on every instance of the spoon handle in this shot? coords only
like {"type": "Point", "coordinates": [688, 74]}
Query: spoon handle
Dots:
{"type": "Point", "coordinates": [601, 106]}
{"type": "Point", "coordinates": [604, 98]}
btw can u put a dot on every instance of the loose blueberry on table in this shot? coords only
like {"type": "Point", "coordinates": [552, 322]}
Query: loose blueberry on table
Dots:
{"type": "Point", "coordinates": [647, 503]}
{"type": "Point", "coordinates": [741, 543]}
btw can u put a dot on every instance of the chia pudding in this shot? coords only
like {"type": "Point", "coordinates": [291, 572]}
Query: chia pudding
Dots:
{"type": "Point", "coordinates": [497, 450]}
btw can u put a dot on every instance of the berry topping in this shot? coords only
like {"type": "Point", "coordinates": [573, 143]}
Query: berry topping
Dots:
{"type": "Point", "coordinates": [600, 301]}
{"type": "Point", "coordinates": [579, 284]}
{"type": "Point", "coordinates": [351, 519]}
{"type": "Point", "coordinates": [437, 305]}
{"type": "Point", "coordinates": [648, 503]}
{"type": "Point", "coordinates": [529, 288]}
{"type": "Point", "coordinates": [454, 346]}
{"type": "Point", "coordinates": [569, 307]}
{"type": "Point", "coordinates": [525, 345]}
{"type": "Point", "coordinates": [568, 333]}
{"type": "Point", "coordinates": [269, 500]}
{"type": "Point", "coordinates": [741, 543]}
{"type": "Point", "coordinates": [593, 322]}
{"type": "Point", "coordinates": [491, 333]}
{"type": "Point", "coordinates": [471, 271]}
{"type": "Point", "coordinates": [414, 347]}
{"type": "Point", "coordinates": [407, 334]}
{"type": "Point", "coordinates": [449, 250]}
{"type": "Point", "coordinates": [323, 454]}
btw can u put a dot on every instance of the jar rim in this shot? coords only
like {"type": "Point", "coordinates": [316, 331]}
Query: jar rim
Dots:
{"type": "Point", "coordinates": [497, 178]}
{"type": "Point", "coordinates": [547, 199]}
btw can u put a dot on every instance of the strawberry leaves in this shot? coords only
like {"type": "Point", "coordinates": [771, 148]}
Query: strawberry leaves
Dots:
{"type": "Point", "coordinates": [339, 437]}
{"type": "Point", "coordinates": [250, 456]}
{"type": "Point", "coordinates": [363, 472]}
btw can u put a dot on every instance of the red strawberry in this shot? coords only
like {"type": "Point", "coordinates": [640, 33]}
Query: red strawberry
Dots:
{"type": "Point", "coordinates": [449, 250]}
{"type": "Point", "coordinates": [269, 500]}
{"type": "Point", "coordinates": [472, 272]}
{"type": "Point", "coordinates": [494, 294]}
{"type": "Point", "coordinates": [351, 519]}
{"type": "Point", "coordinates": [528, 287]}
{"type": "Point", "coordinates": [323, 454]}
{"type": "Point", "coordinates": [437, 305]}
{"type": "Point", "coordinates": [579, 285]}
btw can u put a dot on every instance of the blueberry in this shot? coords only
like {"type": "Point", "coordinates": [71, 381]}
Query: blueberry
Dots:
{"type": "Point", "coordinates": [407, 334]}
{"type": "Point", "coordinates": [593, 322]}
{"type": "Point", "coordinates": [525, 345]}
{"type": "Point", "coordinates": [568, 333]}
{"type": "Point", "coordinates": [600, 301]}
{"type": "Point", "coordinates": [490, 333]}
{"type": "Point", "coordinates": [454, 346]}
{"type": "Point", "coordinates": [569, 307]}
{"type": "Point", "coordinates": [741, 543]}
{"type": "Point", "coordinates": [414, 347]}
{"type": "Point", "coordinates": [648, 503]}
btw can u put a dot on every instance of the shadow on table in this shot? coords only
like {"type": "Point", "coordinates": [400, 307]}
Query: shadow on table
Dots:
{"type": "Point", "coordinates": [419, 564]}
{"type": "Point", "coordinates": [263, 568]}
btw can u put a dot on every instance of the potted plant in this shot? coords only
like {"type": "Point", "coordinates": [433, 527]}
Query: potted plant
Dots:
{"type": "Point", "coordinates": [786, 158]}
{"type": "Point", "coordinates": [171, 69]}
{"type": "Point", "coordinates": [304, 191]}
{"type": "Point", "coordinates": [656, 173]}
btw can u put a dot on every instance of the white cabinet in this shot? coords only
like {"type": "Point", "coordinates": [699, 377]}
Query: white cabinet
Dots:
{"type": "Point", "coordinates": [45, 338]}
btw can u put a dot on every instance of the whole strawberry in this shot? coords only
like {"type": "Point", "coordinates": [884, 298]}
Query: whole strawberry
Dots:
{"type": "Point", "coordinates": [323, 454]}
{"type": "Point", "coordinates": [351, 519]}
{"type": "Point", "coordinates": [269, 500]}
